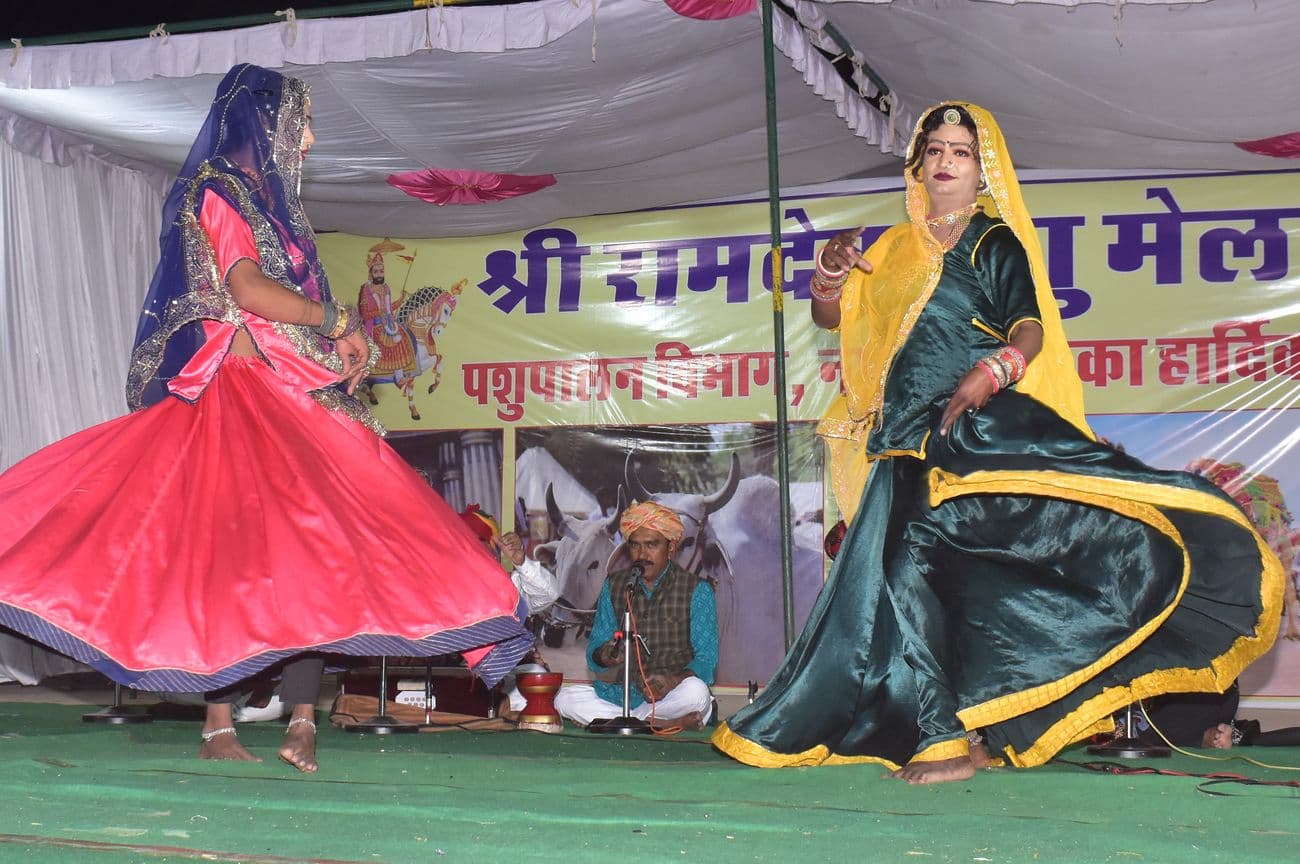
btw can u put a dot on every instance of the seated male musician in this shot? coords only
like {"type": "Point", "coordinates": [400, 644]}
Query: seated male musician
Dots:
{"type": "Point", "coordinates": [676, 624]}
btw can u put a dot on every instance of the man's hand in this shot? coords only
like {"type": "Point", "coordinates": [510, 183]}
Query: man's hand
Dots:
{"type": "Point", "coordinates": [609, 654]}
{"type": "Point", "coordinates": [659, 686]}
{"type": "Point", "coordinates": [354, 351]}
{"type": "Point", "coordinates": [513, 546]}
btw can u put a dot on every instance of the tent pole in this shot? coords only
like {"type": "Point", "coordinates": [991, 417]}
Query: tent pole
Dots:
{"type": "Point", "coordinates": [778, 324]}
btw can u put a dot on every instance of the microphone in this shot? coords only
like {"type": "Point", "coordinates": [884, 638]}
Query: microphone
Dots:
{"type": "Point", "coordinates": [636, 575]}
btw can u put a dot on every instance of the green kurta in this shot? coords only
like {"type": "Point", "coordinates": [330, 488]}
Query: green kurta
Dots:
{"type": "Point", "coordinates": [1013, 576]}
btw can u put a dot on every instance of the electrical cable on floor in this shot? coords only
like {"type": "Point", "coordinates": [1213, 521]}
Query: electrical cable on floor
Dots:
{"type": "Point", "coordinates": [1173, 746]}
{"type": "Point", "coordinates": [1212, 779]}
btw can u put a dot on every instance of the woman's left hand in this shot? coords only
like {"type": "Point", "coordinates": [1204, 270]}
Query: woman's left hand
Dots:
{"type": "Point", "coordinates": [354, 352]}
{"type": "Point", "coordinates": [973, 392]}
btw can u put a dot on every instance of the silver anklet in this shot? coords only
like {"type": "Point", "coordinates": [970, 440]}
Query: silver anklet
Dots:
{"type": "Point", "coordinates": [299, 721]}
{"type": "Point", "coordinates": [213, 733]}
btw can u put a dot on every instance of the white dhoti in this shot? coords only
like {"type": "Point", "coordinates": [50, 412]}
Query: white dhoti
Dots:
{"type": "Point", "coordinates": [579, 703]}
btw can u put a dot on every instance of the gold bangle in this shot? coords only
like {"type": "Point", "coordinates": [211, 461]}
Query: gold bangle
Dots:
{"type": "Point", "coordinates": [341, 325]}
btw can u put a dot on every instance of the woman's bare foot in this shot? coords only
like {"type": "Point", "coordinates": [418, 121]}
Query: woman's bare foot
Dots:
{"type": "Point", "coordinates": [225, 746]}
{"type": "Point", "coordinates": [941, 771]}
{"type": "Point", "coordinates": [1217, 737]}
{"type": "Point", "coordinates": [219, 738]}
{"type": "Point", "coordinates": [299, 747]}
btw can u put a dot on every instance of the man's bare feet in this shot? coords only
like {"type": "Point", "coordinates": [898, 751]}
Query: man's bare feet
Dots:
{"type": "Point", "coordinates": [1217, 737]}
{"type": "Point", "coordinates": [299, 747]}
{"type": "Point", "coordinates": [692, 721]}
{"type": "Point", "coordinates": [942, 771]}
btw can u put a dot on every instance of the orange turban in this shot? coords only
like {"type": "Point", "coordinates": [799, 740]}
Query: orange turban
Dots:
{"type": "Point", "coordinates": [654, 516]}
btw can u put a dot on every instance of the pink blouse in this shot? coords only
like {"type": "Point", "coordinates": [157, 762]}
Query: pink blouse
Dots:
{"type": "Point", "coordinates": [232, 241]}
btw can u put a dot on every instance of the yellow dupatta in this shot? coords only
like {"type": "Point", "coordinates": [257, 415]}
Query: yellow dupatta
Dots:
{"type": "Point", "coordinates": [878, 311]}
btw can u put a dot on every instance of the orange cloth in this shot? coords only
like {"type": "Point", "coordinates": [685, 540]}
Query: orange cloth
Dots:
{"type": "Point", "coordinates": [654, 516]}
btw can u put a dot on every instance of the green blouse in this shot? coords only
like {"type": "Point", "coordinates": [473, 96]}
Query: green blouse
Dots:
{"type": "Point", "coordinates": [985, 289]}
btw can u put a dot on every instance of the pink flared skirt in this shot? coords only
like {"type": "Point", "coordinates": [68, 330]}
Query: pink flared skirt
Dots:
{"type": "Point", "coordinates": [187, 546]}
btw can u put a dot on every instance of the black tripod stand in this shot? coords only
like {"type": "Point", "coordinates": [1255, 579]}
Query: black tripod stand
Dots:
{"type": "Point", "coordinates": [1128, 747]}
{"type": "Point", "coordinates": [118, 714]}
{"type": "Point", "coordinates": [383, 723]}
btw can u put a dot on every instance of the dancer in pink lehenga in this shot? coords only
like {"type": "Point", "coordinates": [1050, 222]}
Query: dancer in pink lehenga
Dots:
{"type": "Point", "coordinates": [247, 511]}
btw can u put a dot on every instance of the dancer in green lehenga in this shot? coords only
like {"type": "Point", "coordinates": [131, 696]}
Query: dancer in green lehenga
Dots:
{"type": "Point", "coordinates": [1004, 574]}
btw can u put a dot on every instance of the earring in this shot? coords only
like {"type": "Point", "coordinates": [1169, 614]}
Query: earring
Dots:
{"type": "Point", "coordinates": [983, 187]}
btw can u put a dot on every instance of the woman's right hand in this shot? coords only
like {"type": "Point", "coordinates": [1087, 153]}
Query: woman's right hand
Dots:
{"type": "Point", "coordinates": [841, 252]}
{"type": "Point", "coordinates": [354, 352]}
{"type": "Point", "coordinates": [973, 392]}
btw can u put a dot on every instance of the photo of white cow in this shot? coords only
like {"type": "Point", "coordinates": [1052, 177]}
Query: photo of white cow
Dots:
{"type": "Point", "coordinates": [721, 481]}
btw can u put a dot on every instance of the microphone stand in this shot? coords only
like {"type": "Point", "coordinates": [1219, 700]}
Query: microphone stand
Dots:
{"type": "Point", "coordinates": [626, 724]}
{"type": "Point", "coordinates": [1129, 747]}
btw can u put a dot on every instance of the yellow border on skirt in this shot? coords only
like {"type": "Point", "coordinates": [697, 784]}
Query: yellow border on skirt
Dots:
{"type": "Point", "coordinates": [1136, 500]}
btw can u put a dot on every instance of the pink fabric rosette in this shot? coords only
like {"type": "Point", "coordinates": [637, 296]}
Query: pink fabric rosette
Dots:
{"type": "Point", "coordinates": [451, 186]}
{"type": "Point", "coordinates": [712, 10]}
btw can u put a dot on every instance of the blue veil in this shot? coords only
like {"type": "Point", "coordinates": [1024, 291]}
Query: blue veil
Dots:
{"type": "Point", "coordinates": [249, 151]}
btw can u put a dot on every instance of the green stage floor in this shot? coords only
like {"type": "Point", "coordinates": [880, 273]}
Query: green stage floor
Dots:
{"type": "Point", "coordinates": [77, 792]}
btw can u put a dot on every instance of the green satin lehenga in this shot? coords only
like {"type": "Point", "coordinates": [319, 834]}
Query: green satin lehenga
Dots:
{"type": "Point", "coordinates": [1013, 577]}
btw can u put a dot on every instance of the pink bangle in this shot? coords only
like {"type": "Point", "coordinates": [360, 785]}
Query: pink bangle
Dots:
{"type": "Point", "coordinates": [989, 372]}
{"type": "Point", "coordinates": [827, 292]}
{"type": "Point", "coordinates": [826, 271]}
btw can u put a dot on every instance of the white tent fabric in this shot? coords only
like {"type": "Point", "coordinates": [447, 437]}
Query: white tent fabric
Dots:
{"type": "Point", "coordinates": [1158, 87]}
{"type": "Point", "coordinates": [671, 109]}
{"type": "Point", "coordinates": [78, 244]}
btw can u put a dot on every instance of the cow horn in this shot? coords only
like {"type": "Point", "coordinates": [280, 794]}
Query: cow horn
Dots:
{"type": "Point", "coordinates": [634, 487]}
{"type": "Point", "coordinates": [620, 504]}
{"type": "Point", "coordinates": [719, 499]}
{"type": "Point", "coordinates": [553, 510]}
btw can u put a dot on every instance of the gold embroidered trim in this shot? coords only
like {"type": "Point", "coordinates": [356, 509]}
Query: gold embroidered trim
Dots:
{"type": "Point", "coordinates": [336, 400]}
{"type": "Point", "coordinates": [208, 299]}
{"type": "Point", "coordinates": [850, 430]}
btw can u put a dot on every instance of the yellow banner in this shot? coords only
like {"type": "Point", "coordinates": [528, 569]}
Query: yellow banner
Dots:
{"type": "Point", "coordinates": [1176, 293]}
